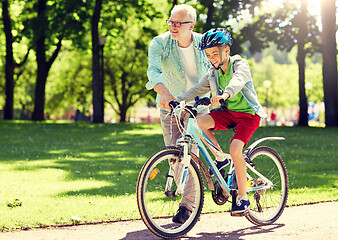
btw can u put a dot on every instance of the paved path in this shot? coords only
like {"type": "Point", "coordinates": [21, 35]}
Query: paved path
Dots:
{"type": "Point", "coordinates": [309, 222]}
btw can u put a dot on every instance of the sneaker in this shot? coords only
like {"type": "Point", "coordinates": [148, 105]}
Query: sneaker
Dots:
{"type": "Point", "coordinates": [220, 165]}
{"type": "Point", "coordinates": [240, 207]}
{"type": "Point", "coordinates": [182, 215]}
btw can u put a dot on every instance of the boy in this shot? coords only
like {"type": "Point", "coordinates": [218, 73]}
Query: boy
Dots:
{"type": "Point", "coordinates": [229, 78]}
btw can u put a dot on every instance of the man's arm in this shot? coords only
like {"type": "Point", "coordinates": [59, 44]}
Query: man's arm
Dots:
{"type": "Point", "coordinates": [166, 96]}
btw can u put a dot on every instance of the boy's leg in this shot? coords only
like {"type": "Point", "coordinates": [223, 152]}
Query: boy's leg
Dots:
{"type": "Point", "coordinates": [246, 126]}
{"type": "Point", "coordinates": [206, 123]}
{"type": "Point", "coordinates": [236, 148]}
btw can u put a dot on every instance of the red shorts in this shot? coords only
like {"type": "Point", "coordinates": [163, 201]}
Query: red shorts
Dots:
{"type": "Point", "coordinates": [246, 124]}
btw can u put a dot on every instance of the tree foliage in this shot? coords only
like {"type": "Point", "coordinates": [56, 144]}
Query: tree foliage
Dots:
{"type": "Point", "coordinates": [47, 24]}
{"type": "Point", "coordinates": [59, 32]}
{"type": "Point", "coordinates": [288, 27]}
{"type": "Point", "coordinates": [126, 60]}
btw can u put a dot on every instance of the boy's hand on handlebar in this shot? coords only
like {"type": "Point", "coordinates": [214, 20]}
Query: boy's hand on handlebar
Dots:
{"type": "Point", "coordinates": [215, 100]}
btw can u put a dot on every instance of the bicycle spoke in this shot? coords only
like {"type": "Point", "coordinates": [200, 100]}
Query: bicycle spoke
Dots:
{"type": "Point", "coordinates": [268, 206]}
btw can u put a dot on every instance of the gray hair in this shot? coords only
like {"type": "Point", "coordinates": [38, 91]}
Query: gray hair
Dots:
{"type": "Point", "coordinates": [191, 12]}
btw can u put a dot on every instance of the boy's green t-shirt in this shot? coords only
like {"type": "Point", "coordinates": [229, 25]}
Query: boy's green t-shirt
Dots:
{"type": "Point", "coordinates": [237, 103]}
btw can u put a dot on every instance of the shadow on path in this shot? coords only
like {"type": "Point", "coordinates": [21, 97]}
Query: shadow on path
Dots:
{"type": "Point", "coordinates": [229, 235]}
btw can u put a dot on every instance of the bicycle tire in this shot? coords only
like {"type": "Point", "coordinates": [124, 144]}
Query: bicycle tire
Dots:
{"type": "Point", "coordinates": [157, 209]}
{"type": "Point", "coordinates": [271, 201]}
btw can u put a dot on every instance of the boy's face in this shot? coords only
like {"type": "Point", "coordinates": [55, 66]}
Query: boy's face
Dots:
{"type": "Point", "coordinates": [214, 55]}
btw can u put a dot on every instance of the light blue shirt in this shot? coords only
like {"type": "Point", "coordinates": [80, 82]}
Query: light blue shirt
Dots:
{"type": "Point", "coordinates": [165, 64]}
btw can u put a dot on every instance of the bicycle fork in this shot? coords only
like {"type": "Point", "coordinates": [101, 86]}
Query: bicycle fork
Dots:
{"type": "Point", "coordinates": [184, 160]}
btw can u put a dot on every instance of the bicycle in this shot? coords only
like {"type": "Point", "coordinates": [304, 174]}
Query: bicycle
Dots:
{"type": "Point", "coordinates": [163, 177]}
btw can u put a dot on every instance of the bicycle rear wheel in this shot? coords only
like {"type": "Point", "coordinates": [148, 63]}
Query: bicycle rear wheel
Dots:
{"type": "Point", "coordinates": [267, 204]}
{"type": "Point", "coordinates": [156, 208]}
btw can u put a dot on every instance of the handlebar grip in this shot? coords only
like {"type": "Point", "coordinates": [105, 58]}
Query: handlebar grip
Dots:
{"type": "Point", "coordinates": [173, 104]}
{"type": "Point", "coordinates": [222, 102]}
{"type": "Point", "coordinates": [202, 101]}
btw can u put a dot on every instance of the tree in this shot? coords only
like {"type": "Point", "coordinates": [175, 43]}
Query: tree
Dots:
{"type": "Point", "coordinates": [301, 37]}
{"type": "Point", "coordinates": [328, 11]}
{"type": "Point", "coordinates": [126, 66]}
{"type": "Point", "coordinates": [10, 62]}
{"type": "Point", "coordinates": [98, 90]}
{"type": "Point", "coordinates": [212, 14]}
{"type": "Point", "coordinates": [46, 25]}
{"type": "Point", "coordinates": [126, 79]}
{"type": "Point", "coordinates": [288, 27]}
{"type": "Point", "coordinates": [72, 82]}
{"type": "Point", "coordinates": [9, 68]}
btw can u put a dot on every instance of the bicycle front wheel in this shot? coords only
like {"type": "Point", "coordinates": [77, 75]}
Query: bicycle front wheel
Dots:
{"type": "Point", "coordinates": [267, 204]}
{"type": "Point", "coordinates": [156, 205]}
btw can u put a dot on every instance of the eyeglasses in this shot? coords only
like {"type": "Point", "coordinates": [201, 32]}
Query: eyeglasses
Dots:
{"type": "Point", "coordinates": [176, 24]}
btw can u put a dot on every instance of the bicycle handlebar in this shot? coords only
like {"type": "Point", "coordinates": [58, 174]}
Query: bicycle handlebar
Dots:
{"type": "Point", "coordinates": [198, 101]}
{"type": "Point", "coordinates": [173, 104]}
{"type": "Point", "coordinates": [202, 101]}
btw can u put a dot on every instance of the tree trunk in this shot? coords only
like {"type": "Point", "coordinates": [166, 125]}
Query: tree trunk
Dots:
{"type": "Point", "coordinates": [303, 115]}
{"type": "Point", "coordinates": [98, 98]}
{"type": "Point", "coordinates": [210, 14]}
{"type": "Point", "coordinates": [43, 65]}
{"type": "Point", "coordinates": [40, 87]}
{"type": "Point", "coordinates": [328, 11]}
{"type": "Point", "coordinates": [123, 114]}
{"type": "Point", "coordinates": [40, 49]}
{"type": "Point", "coordinates": [173, 3]}
{"type": "Point", "coordinates": [9, 66]}
{"type": "Point", "coordinates": [124, 91]}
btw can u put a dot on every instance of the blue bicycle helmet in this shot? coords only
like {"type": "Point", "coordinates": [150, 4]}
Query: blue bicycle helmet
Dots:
{"type": "Point", "coordinates": [215, 37]}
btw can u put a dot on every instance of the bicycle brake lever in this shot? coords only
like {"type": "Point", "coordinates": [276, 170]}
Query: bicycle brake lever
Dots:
{"type": "Point", "coordinates": [173, 104]}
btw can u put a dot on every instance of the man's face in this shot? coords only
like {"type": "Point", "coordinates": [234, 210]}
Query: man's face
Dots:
{"type": "Point", "coordinates": [184, 30]}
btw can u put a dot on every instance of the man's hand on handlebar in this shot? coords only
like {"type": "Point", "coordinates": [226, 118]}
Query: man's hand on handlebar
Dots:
{"type": "Point", "coordinates": [173, 104]}
{"type": "Point", "coordinates": [165, 100]}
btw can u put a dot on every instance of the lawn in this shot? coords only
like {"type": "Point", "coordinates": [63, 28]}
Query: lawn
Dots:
{"type": "Point", "coordinates": [63, 173]}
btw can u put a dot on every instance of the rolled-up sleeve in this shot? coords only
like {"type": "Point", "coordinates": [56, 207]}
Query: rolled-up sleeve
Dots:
{"type": "Point", "coordinates": [154, 72]}
{"type": "Point", "coordinates": [239, 78]}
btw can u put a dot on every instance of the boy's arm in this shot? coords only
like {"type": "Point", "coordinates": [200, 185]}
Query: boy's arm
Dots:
{"type": "Point", "coordinates": [239, 78]}
{"type": "Point", "coordinates": [200, 89]}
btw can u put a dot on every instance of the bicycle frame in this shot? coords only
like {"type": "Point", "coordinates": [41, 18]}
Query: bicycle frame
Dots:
{"type": "Point", "coordinates": [194, 133]}
{"type": "Point", "coordinates": [197, 134]}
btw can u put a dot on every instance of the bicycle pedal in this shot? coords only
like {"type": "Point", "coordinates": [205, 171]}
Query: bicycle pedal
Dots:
{"type": "Point", "coordinates": [242, 214]}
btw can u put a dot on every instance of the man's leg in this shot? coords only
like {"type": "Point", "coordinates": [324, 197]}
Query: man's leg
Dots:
{"type": "Point", "coordinates": [171, 133]}
{"type": "Point", "coordinates": [189, 192]}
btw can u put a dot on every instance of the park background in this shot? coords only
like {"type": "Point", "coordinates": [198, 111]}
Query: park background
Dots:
{"type": "Point", "coordinates": [73, 96]}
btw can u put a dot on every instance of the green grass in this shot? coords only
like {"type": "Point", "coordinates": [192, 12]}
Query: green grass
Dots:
{"type": "Point", "coordinates": [60, 171]}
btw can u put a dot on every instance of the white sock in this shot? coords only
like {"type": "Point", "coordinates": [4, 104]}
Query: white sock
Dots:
{"type": "Point", "coordinates": [242, 197]}
{"type": "Point", "coordinates": [220, 159]}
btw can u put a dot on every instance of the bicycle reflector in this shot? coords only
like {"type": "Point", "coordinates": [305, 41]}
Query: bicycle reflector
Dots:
{"type": "Point", "coordinates": [153, 173]}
